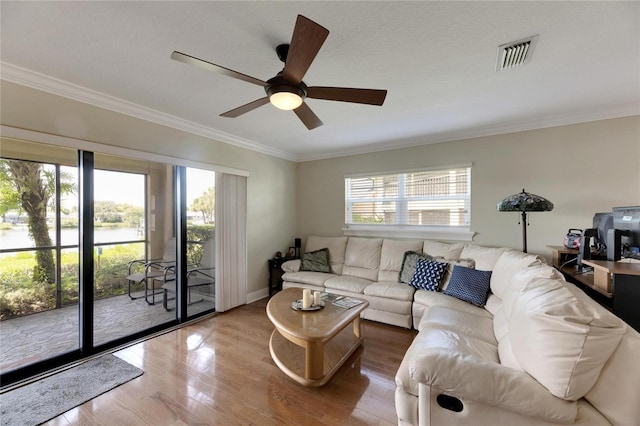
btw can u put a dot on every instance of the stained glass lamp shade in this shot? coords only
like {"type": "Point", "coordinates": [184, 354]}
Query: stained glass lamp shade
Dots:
{"type": "Point", "coordinates": [525, 202]}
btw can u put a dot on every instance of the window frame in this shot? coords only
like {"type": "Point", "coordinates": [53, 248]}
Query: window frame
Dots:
{"type": "Point", "coordinates": [404, 229]}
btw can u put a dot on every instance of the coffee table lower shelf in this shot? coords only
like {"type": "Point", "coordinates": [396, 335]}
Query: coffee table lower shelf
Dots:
{"type": "Point", "coordinates": [314, 363]}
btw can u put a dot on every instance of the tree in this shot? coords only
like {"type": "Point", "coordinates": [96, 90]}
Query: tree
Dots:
{"type": "Point", "coordinates": [9, 197]}
{"type": "Point", "coordinates": [107, 212]}
{"type": "Point", "coordinates": [206, 205]}
{"type": "Point", "coordinates": [34, 187]}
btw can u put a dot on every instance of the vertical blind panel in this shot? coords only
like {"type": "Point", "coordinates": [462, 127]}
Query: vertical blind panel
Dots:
{"type": "Point", "coordinates": [231, 241]}
{"type": "Point", "coordinates": [434, 197]}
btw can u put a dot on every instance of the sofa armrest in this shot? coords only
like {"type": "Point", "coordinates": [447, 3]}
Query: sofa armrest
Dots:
{"type": "Point", "coordinates": [470, 377]}
{"type": "Point", "coordinates": [291, 265]}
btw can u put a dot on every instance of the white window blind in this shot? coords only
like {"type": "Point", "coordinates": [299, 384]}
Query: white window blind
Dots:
{"type": "Point", "coordinates": [440, 198]}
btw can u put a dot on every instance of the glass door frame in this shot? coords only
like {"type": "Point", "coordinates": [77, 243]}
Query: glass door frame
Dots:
{"type": "Point", "coordinates": [86, 305]}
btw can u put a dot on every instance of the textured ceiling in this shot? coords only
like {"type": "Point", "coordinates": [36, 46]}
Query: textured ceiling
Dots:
{"type": "Point", "coordinates": [436, 59]}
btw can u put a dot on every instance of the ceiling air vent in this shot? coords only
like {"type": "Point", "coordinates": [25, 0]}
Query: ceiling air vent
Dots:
{"type": "Point", "coordinates": [516, 53]}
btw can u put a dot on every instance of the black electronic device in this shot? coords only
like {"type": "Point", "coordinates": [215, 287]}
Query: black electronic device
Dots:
{"type": "Point", "coordinates": [602, 222]}
{"type": "Point", "coordinates": [614, 243]}
{"type": "Point", "coordinates": [298, 245]}
{"type": "Point", "coordinates": [585, 246]}
{"type": "Point", "coordinates": [624, 239]}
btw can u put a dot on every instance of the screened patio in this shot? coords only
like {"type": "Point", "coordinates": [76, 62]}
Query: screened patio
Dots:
{"type": "Point", "coordinates": [36, 337]}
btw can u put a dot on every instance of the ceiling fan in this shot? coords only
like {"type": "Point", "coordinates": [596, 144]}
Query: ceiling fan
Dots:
{"type": "Point", "coordinates": [286, 90]}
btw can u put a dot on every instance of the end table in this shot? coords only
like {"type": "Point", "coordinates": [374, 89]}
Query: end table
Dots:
{"type": "Point", "coordinates": [275, 274]}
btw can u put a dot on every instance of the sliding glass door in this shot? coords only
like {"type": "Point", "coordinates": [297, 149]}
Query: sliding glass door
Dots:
{"type": "Point", "coordinates": [38, 253]}
{"type": "Point", "coordinates": [134, 246]}
{"type": "Point", "coordinates": [64, 296]}
{"type": "Point", "coordinates": [201, 244]}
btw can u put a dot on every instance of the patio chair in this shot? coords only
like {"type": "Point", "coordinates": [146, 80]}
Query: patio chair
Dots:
{"type": "Point", "coordinates": [201, 277]}
{"type": "Point", "coordinates": [151, 268]}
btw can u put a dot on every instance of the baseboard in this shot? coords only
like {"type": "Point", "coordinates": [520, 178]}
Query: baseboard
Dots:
{"type": "Point", "coordinates": [257, 295]}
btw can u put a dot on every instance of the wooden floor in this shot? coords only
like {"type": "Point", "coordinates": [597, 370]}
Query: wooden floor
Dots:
{"type": "Point", "coordinates": [218, 371]}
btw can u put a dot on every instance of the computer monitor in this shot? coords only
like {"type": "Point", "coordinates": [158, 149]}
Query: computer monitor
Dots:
{"type": "Point", "coordinates": [624, 239]}
{"type": "Point", "coordinates": [602, 222]}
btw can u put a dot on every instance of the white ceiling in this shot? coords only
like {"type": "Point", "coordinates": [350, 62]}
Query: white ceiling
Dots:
{"type": "Point", "coordinates": [436, 59]}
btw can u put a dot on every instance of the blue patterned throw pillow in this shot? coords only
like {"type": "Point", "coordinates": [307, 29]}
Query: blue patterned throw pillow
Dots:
{"type": "Point", "coordinates": [409, 263]}
{"type": "Point", "coordinates": [470, 285]}
{"type": "Point", "coordinates": [428, 275]}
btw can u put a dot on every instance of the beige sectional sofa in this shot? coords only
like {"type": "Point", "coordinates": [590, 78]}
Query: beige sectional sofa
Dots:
{"type": "Point", "coordinates": [539, 352]}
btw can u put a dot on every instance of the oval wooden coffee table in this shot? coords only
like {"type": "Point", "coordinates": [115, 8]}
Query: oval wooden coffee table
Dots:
{"type": "Point", "coordinates": [310, 346]}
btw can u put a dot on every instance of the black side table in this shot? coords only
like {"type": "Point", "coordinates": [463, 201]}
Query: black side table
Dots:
{"type": "Point", "coordinates": [275, 274]}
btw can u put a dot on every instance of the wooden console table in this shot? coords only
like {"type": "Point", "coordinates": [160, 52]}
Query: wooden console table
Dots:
{"type": "Point", "coordinates": [561, 257]}
{"type": "Point", "coordinates": [618, 282]}
{"type": "Point", "coordinates": [624, 280]}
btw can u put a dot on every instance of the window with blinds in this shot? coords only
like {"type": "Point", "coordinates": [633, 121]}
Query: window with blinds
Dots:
{"type": "Point", "coordinates": [427, 198]}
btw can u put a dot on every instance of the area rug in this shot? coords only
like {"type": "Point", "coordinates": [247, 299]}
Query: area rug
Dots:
{"type": "Point", "coordinates": [45, 399]}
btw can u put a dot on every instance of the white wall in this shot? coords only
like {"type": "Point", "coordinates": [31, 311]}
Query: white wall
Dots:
{"type": "Point", "coordinates": [583, 169]}
{"type": "Point", "coordinates": [271, 186]}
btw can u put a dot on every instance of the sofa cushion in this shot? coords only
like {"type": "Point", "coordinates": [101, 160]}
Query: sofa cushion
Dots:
{"type": "Point", "coordinates": [494, 304]}
{"type": "Point", "coordinates": [428, 275]}
{"type": "Point", "coordinates": [501, 319]}
{"type": "Point", "coordinates": [467, 263]}
{"type": "Point", "coordinates": [315, 261]}
{"type": "Point", "coordinates": [520, 279]}
{"type": "Point", "coordinates": [466, 323]}
{"type": "Point", "coordinates": [291, 265]}
{"type": "Point", "coordinates": [433, 298]}
{"type": "Point", "coordinates": [500, 325]}
{"type": "Point", "coordinates": [448, 250]}
{"type": "Point", "coordinates": [501, 332]}
{"type": "Point", "coordinates": [306, 277]}
{"type": "Point", "coordinates": [447, 341]}
{"type": "Point", "coordinates": [505, 352]}
{"type": "Point", "coordinates": [559, 340]}
{"type": "Point", "coordinates": [485, 257]}
{"type": "Point", "coordinates": [508, 264]}
{"type": "Point", "coordinates": [392, 256]}
{"type": "Point", "coordinates": [362, 258]}
{"type": "Point", "coordinates": [336, 246]}
{"type": "Point", "coordinates": [470, 285]}
{"type": "Point", "coordinates": [481, 382]}
{"type": "Point", "coordinates": [390, 290]}
{"type": "Point", "coordinates": [409, 263]}
{"type": "Point", "coordinates": [346, 283]}
{"type": "Point", "coordinates": [617, 392]}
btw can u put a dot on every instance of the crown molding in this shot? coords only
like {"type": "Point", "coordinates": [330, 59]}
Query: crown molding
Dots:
{"type": "Point", "coordinates": [15, 74]}
{"type": "Point", "coordinates": [618, 111]}
{"type": "Point", "coordinates": [22, 76]}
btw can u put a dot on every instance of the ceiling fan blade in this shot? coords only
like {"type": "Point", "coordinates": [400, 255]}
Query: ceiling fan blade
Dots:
{"type": "Point", "coordinates": [346, 94]}
{"type": "Point", "coordinates": [308, 117]}
{"type": "Point", "coordinates": [306, 41]}
{"type": "Point", "coordinates": [246, 108]}
{"type": "Point", "coordinates": [191, 60]}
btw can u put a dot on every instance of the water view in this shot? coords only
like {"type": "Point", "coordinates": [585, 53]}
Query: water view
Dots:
{"type": "Point", "coordinates": [18, 236]}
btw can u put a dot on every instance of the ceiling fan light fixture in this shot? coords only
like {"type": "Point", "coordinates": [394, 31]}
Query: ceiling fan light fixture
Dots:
{"type": "Point", "coordinates": [285, 100]}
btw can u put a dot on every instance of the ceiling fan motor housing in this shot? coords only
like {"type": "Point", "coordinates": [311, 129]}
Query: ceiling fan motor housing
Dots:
{"type": "Point", "coordinates": [279, 84]}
